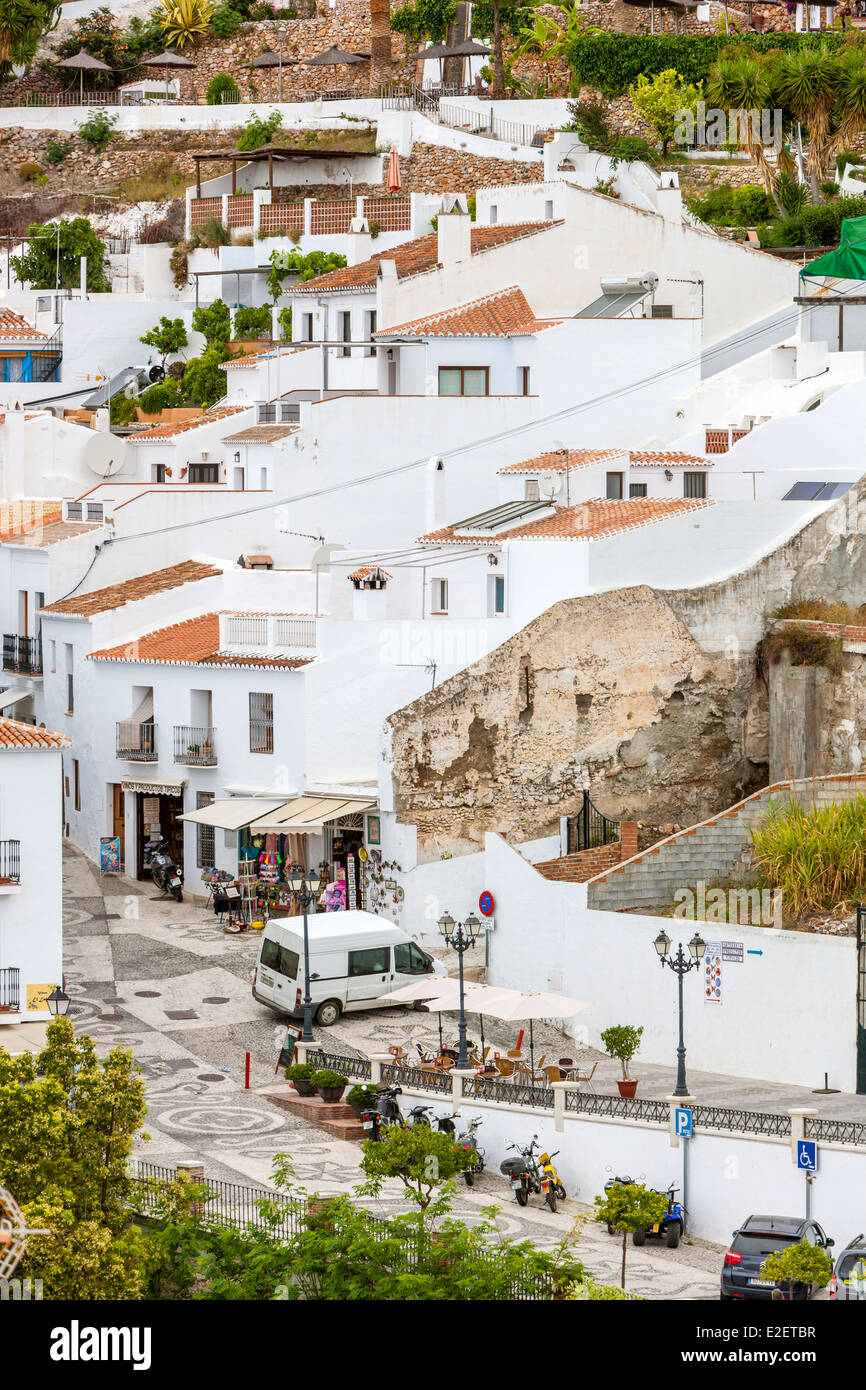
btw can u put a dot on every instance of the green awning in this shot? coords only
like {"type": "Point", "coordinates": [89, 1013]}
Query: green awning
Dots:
{"type": "Point", "coordinates": [848, 261]}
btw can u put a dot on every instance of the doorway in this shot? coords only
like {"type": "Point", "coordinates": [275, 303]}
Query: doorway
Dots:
{"type": "Point", "coordinates": [157, 817]}
{"type": "Point", "coordinates": [118, 821]}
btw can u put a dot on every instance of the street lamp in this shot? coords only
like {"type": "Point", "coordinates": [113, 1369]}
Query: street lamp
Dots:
{"type": "Point", "coordinates": [58, 1002]}
{"type": "Point", "coordinates": [680, 964]}
{"type": "Point", "coordinates": [460, 936]}
{"type": "Point", "coordinates": [305, 886]}
{"type": "Point", "coordinates": [282, 31]}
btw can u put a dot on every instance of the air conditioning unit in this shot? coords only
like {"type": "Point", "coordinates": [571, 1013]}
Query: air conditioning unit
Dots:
{"type": "Point", "coordinates": [662, 311]}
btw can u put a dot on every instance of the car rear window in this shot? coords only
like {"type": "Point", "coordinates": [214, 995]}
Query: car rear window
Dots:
{"type": "Point", "coordinates": [761, 1242]}
{"type": "Point", "coordinates": [852, 1264]}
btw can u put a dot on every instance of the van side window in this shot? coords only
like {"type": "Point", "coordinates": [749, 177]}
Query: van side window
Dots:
{"type": "Point", "coordinates": [280, 958]}
{"type": "Point", "coordinates": [374, 961]}
{"type": "Point", "coordinates": [409, 960]}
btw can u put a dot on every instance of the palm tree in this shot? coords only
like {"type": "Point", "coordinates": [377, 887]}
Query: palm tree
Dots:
{"type": "Point", "coordinates": [744, 86]}
{"type": "Point", "coordinates": [22, 24]}
{"type": "Point", "coordinates": [807, 83]}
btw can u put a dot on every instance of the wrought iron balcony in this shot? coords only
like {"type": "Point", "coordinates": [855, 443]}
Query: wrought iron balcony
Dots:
{"type": "Point", "coordinates": [10, 990]}
{"type": "Point", "coordinates": [10, 861]}
{"type": "Point", "coordinates": [136, 743]}
{"type": "Point", "coordinates": [195, 747]}
{"type": "Point", "coordinates": [22, 654]}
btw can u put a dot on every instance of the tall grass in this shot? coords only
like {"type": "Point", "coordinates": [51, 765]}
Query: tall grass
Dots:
{"type": "Point", "coordinates": [815, 854]}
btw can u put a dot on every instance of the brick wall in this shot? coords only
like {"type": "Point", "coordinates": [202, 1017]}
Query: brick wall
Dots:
{"type": "Point", "coordinates": [585, 864]}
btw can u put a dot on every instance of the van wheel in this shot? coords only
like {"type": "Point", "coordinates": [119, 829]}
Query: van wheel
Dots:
{"type": "Point", "coordinates": [328, 1013]}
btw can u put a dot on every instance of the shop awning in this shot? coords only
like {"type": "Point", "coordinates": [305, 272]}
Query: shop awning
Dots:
{"type": "Point", "coordinates": [308, 813]}
{"type": "Point", "coordinates": [151, 788]}
{"type": "Point", "coordinates": [848, 260]}
{"type": "Point", "coordinates": [234, 813]}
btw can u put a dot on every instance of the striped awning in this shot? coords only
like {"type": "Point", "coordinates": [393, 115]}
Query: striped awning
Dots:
{"type": "Point", "coordinates": [308, 813]}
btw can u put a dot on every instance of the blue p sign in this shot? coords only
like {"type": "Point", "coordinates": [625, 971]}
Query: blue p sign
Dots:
{"type": "Point", "coordinates": [683, 1124]}
{"type": "Point", "coordinates": [807, 1155]}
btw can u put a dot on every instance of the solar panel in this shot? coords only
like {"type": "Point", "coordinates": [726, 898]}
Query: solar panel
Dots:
{"type": "Point", "coordinates": [611, 306]}
{"type": "Point", "coordinates": [804, 492]}
{"type": "Point", "coordinates": [833, 490]}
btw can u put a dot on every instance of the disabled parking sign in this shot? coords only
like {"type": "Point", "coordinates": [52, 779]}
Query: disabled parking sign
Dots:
{"type": "Point", "coordinates": [807, 1155]}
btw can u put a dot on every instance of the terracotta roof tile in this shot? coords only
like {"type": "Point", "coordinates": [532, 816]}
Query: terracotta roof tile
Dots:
{"type": "Point", "coordinates": [415, 257]}
{"type": "Point", "coordinates": [588, 521]}
{"type": "Point", "coordinates": [260, 434]}
{"type": "Point", "coordinates": [116, 595]}
{"type": "Point", "coordinates": [364, 570]}
{"type": "Point", "coordinates": [194, 642]}
{"type": "Point", "coordinates": [28, 515]}
{"type": "Point", "coordinates": [557, 460]}
{"type": "Point", "coordinates": [252, 359]}
{"type": "Point", "coordinates": [16, 735]}
{"type": "Point", "coordinates": [13, 327]}
{"type": "Point", "coordinates": [53, 533]}
{"type": "Point", "coordinates": [667, 458]}
{"type": "Point", "coordinates": [155, 434]}
{"type": "Point", "coordinates": [504, 314]}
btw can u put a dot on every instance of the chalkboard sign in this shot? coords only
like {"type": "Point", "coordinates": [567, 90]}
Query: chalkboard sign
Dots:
{"type": "Point", "coordinates": [287, 1051]}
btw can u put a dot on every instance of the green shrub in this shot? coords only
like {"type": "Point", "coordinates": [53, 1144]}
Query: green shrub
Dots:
{"type": "Point", "coordinates": [301, 1071]}
{"type": "Point", "coordinates": [97, 130]}
{"type": "Point", "coordinates": [257, 132]}
{"type": "Point", "coordinates": [222, 90]}
{"type": "Point", "coordinates": [815, 854]}
{"type": "Point", "coordinates": [123, 410]}
{"type": "Point", "coordinates": [725, 206]}
{"type": "Point", "coordinates": [161, 396]}
{"type": "Point", "coordinates": [361, 1096]}
{"type": "Point", "coordinates": [29, 171]}
{"type": "Point", "coordinates": [225, 22]}
{"type": "Point", "coordinates": [214, 234]}
{"type": "Point", "coordinates": [253, 323]}
{"type": "Point", "coordinates": [327, 1077]}
{"type": "Point", "coordinates": [56, 151]}
{"type": "Point", "coordinates": [589, 120]}
{"type": "Point", "coordinates": [848, 157]}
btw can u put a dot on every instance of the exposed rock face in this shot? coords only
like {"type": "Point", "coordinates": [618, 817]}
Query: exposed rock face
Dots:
{"type": "Point", "coordinates": [609, 691]}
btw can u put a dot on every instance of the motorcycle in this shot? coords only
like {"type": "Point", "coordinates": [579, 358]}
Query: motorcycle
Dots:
{"type": "Point", "coordinates": [551, 1174]}
{"type": "Point", "coordinates": [526, 1175]}
{"type": "Point", "coordinates": [469, 1140]}
{"type": "Point", "coordinates": [672, 1225]}
{"type": "Point", "coordinates": [387, 1113]}
{"type": "Point", "coordinates": [167, 875]}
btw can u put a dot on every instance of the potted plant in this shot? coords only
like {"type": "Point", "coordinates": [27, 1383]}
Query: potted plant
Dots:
{"type": "Point", "coordinates": [622, 1041]}
{"type": "Point", "coordinates": [362, 1098]}
{"type": "Point", "coordinates": [301, 1077]}
{"type": "Point", "coordinates": [329, 1084]}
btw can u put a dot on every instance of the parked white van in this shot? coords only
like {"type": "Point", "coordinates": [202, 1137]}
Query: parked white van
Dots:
{"type": "Point", "coordinates": [357, 960]}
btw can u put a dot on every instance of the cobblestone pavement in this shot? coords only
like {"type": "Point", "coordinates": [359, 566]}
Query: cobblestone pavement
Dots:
{"type": "Point", "coordinates": [161, 978]}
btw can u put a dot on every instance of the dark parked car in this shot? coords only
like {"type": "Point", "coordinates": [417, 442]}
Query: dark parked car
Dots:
{"type": "Point", "coordinates": [757, 1238]}
{"type": "Point", "coordinates": [849, 1271]}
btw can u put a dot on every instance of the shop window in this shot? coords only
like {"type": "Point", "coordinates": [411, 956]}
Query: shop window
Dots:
{"type": "Point", "coordinates": [205, 835]}
{"type": "Point", "coordinates": [375, 961]}
{"type": "Point", "coordinates": [614, 487]}
{"type": "Point", "coordinates": [637, 489]}
{"type": "Point", "coordinates": [694, 485]}
{"type": "Point", "coordinates": [439, 595]}
{"type": "Point", "coordinates": [261, 722]}
{"type": "Point", "coordinates": [409, 959]}
{"type": "Point", "coordinates": [464, 381]}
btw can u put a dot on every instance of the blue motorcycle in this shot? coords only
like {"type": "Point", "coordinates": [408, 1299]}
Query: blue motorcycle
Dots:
{"type": "Point", "coordinates": [672, 1225]}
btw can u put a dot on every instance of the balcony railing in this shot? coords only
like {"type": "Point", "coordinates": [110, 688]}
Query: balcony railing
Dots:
{"type": "Point", "coordinates": [10, 861]}
{"type": "Point", "coordinates": [195, 747]}
{"type": "Point", "coordinates": [136, 743]}
{"type": "Point", "coordinates": [10, 990]}
{"type": "Point", "coordinates": [22, 654]}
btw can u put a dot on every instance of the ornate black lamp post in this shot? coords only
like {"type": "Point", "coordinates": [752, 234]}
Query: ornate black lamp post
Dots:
{"type": "Point", "coordinates": [460, 936]}
{"type": "Point", "coordinates": [680, 964]}
{"type": "Point", "coordinates": [305, 886]}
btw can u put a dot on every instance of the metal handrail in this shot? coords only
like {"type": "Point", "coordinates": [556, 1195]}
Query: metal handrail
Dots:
{"type": "Point", "coordinates": [136, 743]}
{"type": "Point", "coordinates": [195, 747]}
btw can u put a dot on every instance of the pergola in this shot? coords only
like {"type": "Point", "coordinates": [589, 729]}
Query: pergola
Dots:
{"type": "Point", "coordinates": [269, 153]}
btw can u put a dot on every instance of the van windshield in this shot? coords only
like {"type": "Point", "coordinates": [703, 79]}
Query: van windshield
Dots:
{"type": "Point", "coordinates": [280, 958]}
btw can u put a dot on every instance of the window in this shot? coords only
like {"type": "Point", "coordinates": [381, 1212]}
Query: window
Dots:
{"type": "Point", "coordinates": [494, 214]}
{"type": "Point", "coordinates": [52, 655]}
{"type": "Point", "coordinates": [261, 723]}
{"type": "Point", "coordinates": [548, 210]}
{"type": "Point", "coordinates": [614, 487]}
{"type": "Point", "coordinates": [203, 473]}
{"type": "Point", "coordinates": [694, 485]}
{"type": "Point", "coordinates": [345, 328]}
{"type": "Point", "coordinates": [409, 959]}
{"type": "Point", "coordinates": [637, 489]}
{"type": "Point", "coordinates": [205, 839]}
{"type": "Point", "coordinates": [279, 958]}
{"type": "Point", "coordinates": [524, 381]}
{"type": "Point", "coordinates": [94, 511]}
{"type": "Point", "coordinates": [306, 328]}
{"type": "Point", "coordinates": [370, 322]}
{"type": "Point", "coordinates": [439, 595]}
{"type": "Point", "coordinates": [70, 693]}
{"type": "Point", "coordinates": [531, 491]}
{"type": "Point", "coordinates": [464, 381]}
{"type": "Point", "coordinates": [375, 961]}
{"type": "Point", "coordinates": [495, 595]}
{"type": "Point", "coordinates": [76, 784]}
{"type": "Point", "coordinates": [157, 473]}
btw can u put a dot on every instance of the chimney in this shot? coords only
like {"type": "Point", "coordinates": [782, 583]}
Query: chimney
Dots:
{"type": "Point", "coordinates": [454, 231]}
{"type": "Point", "coordinates": [386, 293]}
{"type": "Point", "coordinates": [360, 241]}
{"type": "Point", "coordinates": [670, 198]}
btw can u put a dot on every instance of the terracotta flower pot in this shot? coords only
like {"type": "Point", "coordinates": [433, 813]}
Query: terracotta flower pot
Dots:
{"type": "Point", "coordinates": [627, 1089]}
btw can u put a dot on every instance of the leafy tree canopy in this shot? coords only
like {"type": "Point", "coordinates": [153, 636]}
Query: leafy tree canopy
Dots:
{"type": "Point", "coordinates": [41, 266]}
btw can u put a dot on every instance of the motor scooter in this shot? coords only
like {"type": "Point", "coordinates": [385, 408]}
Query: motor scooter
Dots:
{"type": "Point", "coordinates": [167, 875]}
{"type": "Point", "coordinates": [469, 1140]}
{"type": "Point", "coordinates": [526, 1176]}
{"type": "Point", "coordinates": [386, 1114]}
{"type": "Point", "coordinates": [551, 1174]}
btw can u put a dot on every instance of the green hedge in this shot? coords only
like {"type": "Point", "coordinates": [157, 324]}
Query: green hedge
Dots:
{"type": "Point", "coordinates": [612, 62]}
{"type": "Point", "coordinates": [814, 226]}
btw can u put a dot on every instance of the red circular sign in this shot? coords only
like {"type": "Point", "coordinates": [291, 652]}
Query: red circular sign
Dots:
{"type": "Point", "coordinates": [485, 903]}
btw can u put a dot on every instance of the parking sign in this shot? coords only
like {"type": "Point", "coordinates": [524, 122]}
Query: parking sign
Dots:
{"type": "Point", "coordinates": [807, 1155]}
{"type": "Point", "coordinates": [683, 1124]}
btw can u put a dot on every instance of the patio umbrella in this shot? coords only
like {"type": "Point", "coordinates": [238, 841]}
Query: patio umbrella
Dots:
{"type": "Point", "coordinates": [439, 51]}
{"type": "Point", "coordinates": [269, 59]}
{"type": "Point", "coordinates": [393, 182]}
{"type": "Point", "coordinates": [519, 1004]}
{"type": "Point", "coordinates": [168, 60]}
{"type": "Point", "coordinates": [441, 994]}
{"type": "Point", "coordinates": [469, 48]}
{"type": "Point", "coordinates": [668, 5]}
{"type": "Point", "coordinates": [82, 63]}
{"type": "Point", "coordinates": [333, 57]}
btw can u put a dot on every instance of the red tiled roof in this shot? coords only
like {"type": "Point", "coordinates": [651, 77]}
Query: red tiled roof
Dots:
{"type": "Point", "coordinates": [116, 595]}
{"type": "Point", "coordinates": [588, 521]}
{"type": "Point", "coordinates": [251, 359]}
{"type": "Point", "coordinates": [415, 257]}
{"type": "Point", "coordinates": [28, 515]}
{"type": "Point", "coordinates": [15, 735]}
{"type": "Point", "coordinates": [155, 434]}
{"type": "Point", "coordinates": [558, 460]}
{"type": "Point", "coordinates": [13, 327]}
{"type": "Point", "coordinates": [364, 570]}
{"type": "Point", "coordinates": [194, 642]}
{"type": "Point", "coordinates": [55, 531]}
{"type": "Point", "coordinates": [260, 434]}
{"type": "Point", "coordinates": [504, 314]}
{"type": "Point", "coordinates": [666, 458]}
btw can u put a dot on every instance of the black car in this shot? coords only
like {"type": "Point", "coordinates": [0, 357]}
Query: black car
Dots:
{"type": "Point", "coordinates": [758, 1237]}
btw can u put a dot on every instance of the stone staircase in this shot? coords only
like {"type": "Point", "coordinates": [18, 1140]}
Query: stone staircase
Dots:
{"type": "Point", "coordinates": [338, 1119]}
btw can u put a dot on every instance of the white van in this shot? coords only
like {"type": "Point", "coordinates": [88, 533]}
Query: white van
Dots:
{"type": "Point", "coordinates": [357, 960]}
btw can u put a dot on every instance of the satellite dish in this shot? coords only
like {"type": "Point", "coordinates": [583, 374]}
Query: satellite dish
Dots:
{"type": "Point", "coordinates": [105, 454]}
{"type": "Point", "coordinates": [549, 484]}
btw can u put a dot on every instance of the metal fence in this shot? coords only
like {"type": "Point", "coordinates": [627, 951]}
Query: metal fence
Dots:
{"type": "Point", "coordinates": [589, 829]}
{"type": "Point", "coordinates": [223, 1203]}
{"type": "Point", "coordinates": [22, 654]}
{"type": "Point", "coordinates": [10, 861]}
{"type": "Point", "coordinates": [358, 1068]}
{"type": "Point", "coordinates": [10, 989]}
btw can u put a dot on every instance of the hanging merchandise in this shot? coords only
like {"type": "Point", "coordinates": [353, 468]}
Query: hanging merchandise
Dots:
{"type": "Point", "coordinates": [335, 896]}
{"type": "Point", "coordinates": [350, 878]}
{"type": "Point", "coordinates": [269, 868]}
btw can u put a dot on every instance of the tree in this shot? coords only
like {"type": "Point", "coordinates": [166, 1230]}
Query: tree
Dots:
{"type": "Point", "coordinates": [662, 101]}
{"type": "Point", "coordinates": [253, 322]}
{"type": "Point", "coordinates": [53, 257]}
{"type": "Point", "coordinates": [67, 1122]}
{"type": "Point", "coordinates": [630, 1207]}
{"type": "Point", "coordinates": [213, 321]}
{"type": "Point", "coordinates": [167, 337]}
{"type": "Point", "coordinates": [798, 1264]}
{"type": "Point", "coordinates": [305, 267]}
{"type": "Point", "coordinates": [421, 1157]}
{"type": "Point", "coordinates": [98, 34]}
{"type": "Point", "coordinates": [622, 1042]}
{"type": "Point", "coordinates": [204, 380]}
{"type": "Point", "coordinates": [22, 24]}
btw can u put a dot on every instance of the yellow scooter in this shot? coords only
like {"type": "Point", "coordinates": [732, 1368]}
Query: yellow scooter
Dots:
{"type": "Point", "coordinates": [551, 1176]}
